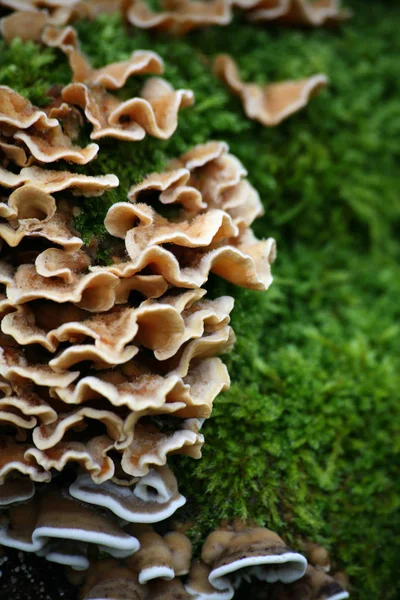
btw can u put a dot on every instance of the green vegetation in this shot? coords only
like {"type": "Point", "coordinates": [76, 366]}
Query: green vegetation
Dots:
{"type": "Point", "coordinates": [307, 439]}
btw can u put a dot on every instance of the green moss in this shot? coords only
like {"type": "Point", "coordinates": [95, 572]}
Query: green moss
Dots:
{"type": "Point", "coordinates": [306, 440]}
{"type": "Point", "coordinates": [28, 69]}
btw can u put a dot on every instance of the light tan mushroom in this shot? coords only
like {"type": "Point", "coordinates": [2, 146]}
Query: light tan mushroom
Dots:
{"type": "Point", "coordinates": [33, 213]}
{"type": "Point", "coordinates": [17, 111]}
{"type": "Point", "coordinates": [296, 12]}
{"type": "Point", "coordinates": [24, 24]}
{"type": "Point", "coordinates": [318, 556]}
{"type": "Point", "coordinates": [154, 112]}
{"type": "Point", "coordinates": [188, 396]}
{"type": "Point", "coordinates": [112, 76]}
{"type": "Point", "coordinates": [59, 277]}
{"type": "Point", "coordinates": [180, 16]}
{"type": "Point", "coordinates": [272, 103]}
{"type": "Point", "coordinates": [150, 446]}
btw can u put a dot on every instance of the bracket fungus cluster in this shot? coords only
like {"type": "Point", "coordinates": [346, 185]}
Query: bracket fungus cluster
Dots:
{"type": "Point", "coordinates": [176, 17]}
{"type": "Point", "coordinates": [107, 369]}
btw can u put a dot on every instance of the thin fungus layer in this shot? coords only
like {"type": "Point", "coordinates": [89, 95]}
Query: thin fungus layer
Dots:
{"type": "Point", "coordinates": [272, 103]}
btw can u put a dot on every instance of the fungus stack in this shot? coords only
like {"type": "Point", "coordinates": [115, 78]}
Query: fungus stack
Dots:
{"type": "Point", "coordinates": [107, 369]}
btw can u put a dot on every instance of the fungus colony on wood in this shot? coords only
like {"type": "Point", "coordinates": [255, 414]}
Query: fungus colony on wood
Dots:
{"type": "Point", "coordinates": [105, 370]}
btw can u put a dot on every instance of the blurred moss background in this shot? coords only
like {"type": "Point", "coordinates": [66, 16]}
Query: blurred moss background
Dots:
{"type": "Point", "coordinates": [307, 440]}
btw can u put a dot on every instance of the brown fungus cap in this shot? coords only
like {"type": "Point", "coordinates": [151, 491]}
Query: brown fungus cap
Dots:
{"type": "Point", "coordinates": [154, 559]}
{"type": "Point", "coordinates": [17, 489]}
{"type": "Point", "coordinates": [180, 16]}
{"type": "Point", "coordinates": [151, 498]}
{"type": "Point", "coordinates": [253, 551]}
{"type": "Point", "coordinates": [199, 587]}
{"type": "Point", "coordinates": [272, 103]}
{"type": "Point", "coordinates": [167, 590]}
{"type": "Point", "coordinates": [51, 517]}
{"type": "Point", "coordinates": [110, 579]}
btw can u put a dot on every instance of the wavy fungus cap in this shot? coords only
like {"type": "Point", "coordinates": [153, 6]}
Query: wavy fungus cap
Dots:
{"type": "Point", "coordinates": [180, 16]}
{"type": "Point", "coordinates": [153, 498]}
{"type": "Point", "coordinates": [296, 12]}
{"type": "Point", "coordinates": [274, 102]}
{"type": "Point", "coordinates": [209, 231]}
{"type": "Point", "coordinates": [55, 181]}
{"type": "Point", "coordinates": [254, 552]}
{"type": "Point", "coordinates": [154, 112]}
{"type": "Point", "coordinates": [35, 525]}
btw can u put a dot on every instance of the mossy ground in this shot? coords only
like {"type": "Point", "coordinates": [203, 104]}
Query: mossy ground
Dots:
{"type": "Point", "coordinates": [307, 439]}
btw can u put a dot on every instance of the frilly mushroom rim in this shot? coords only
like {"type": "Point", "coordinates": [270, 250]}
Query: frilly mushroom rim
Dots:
{"type": "Point", "coordinates": [181, 17]}
{"type": "Point", "coordinates": [302, 12]}
{"type": "Point", "coordinates": [129, 504]}
{"type": "Point", "coordinates": [155, 112]}
{"type": "Point", "coordinates": [56, 181]}
{"type": "Point", "coordinates": [113, 76]}
{"type": "Point", "coordinates": [272, 103]}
